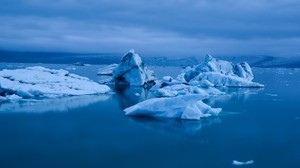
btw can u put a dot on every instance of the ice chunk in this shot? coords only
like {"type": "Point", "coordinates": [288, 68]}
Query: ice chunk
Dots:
{"type": "Point", "coordinates": [131, 71]}
{"type": "Point", "coordinates": [170, 87]}
{"type": "Point", "coordinates": [107, 70]}
{"type": "Point", "coordinates": [183, 107]}
{"type": "Point", "coordinates": [219, 73]}
{"type": "Point", "coordinates": [238, 163]}
{"type": "Point", "coordinates": [38, 81]}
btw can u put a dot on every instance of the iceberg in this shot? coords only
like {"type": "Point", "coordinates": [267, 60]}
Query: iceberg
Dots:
{"type": "Point", "coordinates": [132, 71]}
{"type": "Point", "coordinates": [183, 107]}
{"type": "Point", "coordinates": [39, 82]}
{"type": "Point", "coordinates": [219, 73]}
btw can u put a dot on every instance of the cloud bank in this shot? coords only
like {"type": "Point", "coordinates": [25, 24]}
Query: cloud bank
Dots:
{"type": "Point", "coordinates": [170, 27]}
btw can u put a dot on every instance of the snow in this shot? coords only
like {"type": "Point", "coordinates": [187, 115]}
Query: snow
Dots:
{"type": "Point", "coordinates": [183, 107]}
{"type": "Point", "coordinates": [219, 73]}
{"type": "Point", "coordinates": [131, 71]}
{"type": "Point", "coordinates": [238, 163]}
{"type": "Point", "coordinates": [35, 82]}
{"type": "Point", "coordinates": [107, 70]}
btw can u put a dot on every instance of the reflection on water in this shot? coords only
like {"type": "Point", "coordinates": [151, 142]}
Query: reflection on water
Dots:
{"type": "Point", "coordinates": [51, 105]}
{"type": "Point", "coordinates": [241, 94]}
{"type": "Point", "coordinates": [129, 96]}
{"type": "Point", "coordinates": [175, 127]}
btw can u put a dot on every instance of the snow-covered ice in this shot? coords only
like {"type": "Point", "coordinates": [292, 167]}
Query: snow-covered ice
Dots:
{"type": "Point", "coordinates": [36, 82]}
{"type": "Point", "coordinates": [183, 107]}
{"type": "Point", "coordinates": [239, 163]}
{"type": "Point", "coordinates": [219, 73]}
{"type": "Point", "coordinates": [107, 70]}
{"type": "Point", "coordinates": [132, 71]}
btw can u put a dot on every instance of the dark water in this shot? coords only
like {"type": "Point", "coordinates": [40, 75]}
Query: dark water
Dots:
{"type": "Point", "coordinates": [92, 131]}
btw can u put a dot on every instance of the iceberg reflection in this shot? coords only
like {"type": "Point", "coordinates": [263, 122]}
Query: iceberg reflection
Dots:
{"type": "Point", "coordinates": [52, 104]}
{"type": "Point", "coordinates": [175, 127]}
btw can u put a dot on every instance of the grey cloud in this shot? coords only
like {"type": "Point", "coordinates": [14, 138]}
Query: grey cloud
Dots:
{"type": "Point", "coordinates": [191, 27]}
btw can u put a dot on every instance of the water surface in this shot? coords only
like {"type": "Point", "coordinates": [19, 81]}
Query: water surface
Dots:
{"type": "Point", "coordinates": [92, 131]}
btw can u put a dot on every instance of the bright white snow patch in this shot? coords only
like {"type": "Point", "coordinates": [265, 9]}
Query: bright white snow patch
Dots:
{"type": "Point", "coordinates": [131, 71]}
{"type": "Point", "coordinates": [238, 163]}
{"type": "Point", "coordinates": [219, 73]}
{"type": "Point", "coordinates": [183, 107]}
{"type": "Point", "coordinates": [33, 82]}
{"type": "Point", "coordinates": [107, 70]}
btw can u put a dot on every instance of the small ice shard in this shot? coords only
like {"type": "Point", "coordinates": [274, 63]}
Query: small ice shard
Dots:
{"type": "Point", "coordinates": [184, 107]}
{"type": "Point", "coordinates": [132, 71]}
{"type": "Point", "coordinates": [219, 73]}
{"type": "Point", "coordinates": [238, 163]}
{"type": "Point", "coordinates": [37, 82]}
{"type": "Point", "coordinates": [107, 70]}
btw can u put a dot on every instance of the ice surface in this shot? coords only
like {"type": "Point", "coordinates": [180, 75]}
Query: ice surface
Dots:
{"type": "Point", "coordinates": [183, 107]}
{"type": "Point", "coordinates": [238, 163]}
{"type": "Point", "coordinates": [108, 70]}
{"type": "Point", "coordinates": [35, 82]}
{"type": "Point", "coordinates": [219, 73]}
{"type": "Point", "coordinates": [131, 71]}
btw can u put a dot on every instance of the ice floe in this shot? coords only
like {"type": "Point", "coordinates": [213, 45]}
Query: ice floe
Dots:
{"type": "Point", "coordinates": [238, 163]}
{"type": "Point", "coordinates": [38, 82]}
{"type": "Point", "coordinates": [183, 107]}
{"type": "Point", "coordinates": [132, 71]}
{"type": "Point", "coordinates": [219, 73]}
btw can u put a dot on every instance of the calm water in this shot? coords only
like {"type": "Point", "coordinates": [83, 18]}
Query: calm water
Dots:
{"type": "Point", "coordinates": [92, 131]}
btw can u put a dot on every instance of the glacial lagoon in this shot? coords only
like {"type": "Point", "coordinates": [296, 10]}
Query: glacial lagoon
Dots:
{"type": "Point", "coordinates": [92, 131]}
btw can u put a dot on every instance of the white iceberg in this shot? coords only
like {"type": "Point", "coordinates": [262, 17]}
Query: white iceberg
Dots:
{"type": "Point", "coordinates": [36, 82]}
{"type": "Point", "coordinates": [107, 70]}
{"type": "Point", "coordinates": [219, 73]}
{"type": "Point", "coordinates": [238, 163]}
{"type": "Point", "coordinates": [132, 71]}
{"type": "Point", "coordinates": [169, 87]}
{"type": "Point", "coordinates": [182, 107]}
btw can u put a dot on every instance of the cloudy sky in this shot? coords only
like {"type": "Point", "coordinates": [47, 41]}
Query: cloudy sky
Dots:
{"type": "Point", "coordinates": [152, 27]}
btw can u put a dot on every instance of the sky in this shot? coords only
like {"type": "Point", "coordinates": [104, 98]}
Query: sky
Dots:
{"type": "Point", "coordinates": [152, 27]}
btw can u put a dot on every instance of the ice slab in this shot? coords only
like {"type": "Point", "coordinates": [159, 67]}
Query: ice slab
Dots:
{"type": "Point", "coordinates": [239, 163]}
{"type": "Point", "coordinates": [38, 82]}
{"type": "Point", "coordinates": [183, 107]}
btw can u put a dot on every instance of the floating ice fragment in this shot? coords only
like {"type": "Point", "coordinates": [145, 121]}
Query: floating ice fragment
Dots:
{"type": "Point", "coordinates": [239, 163]}
{"type": "Point", "coordinates": [183, 107]}
{"type": "Point", "coordinates": [37, 82]}
{"type": "Point", "coordinates": [219, 73]}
